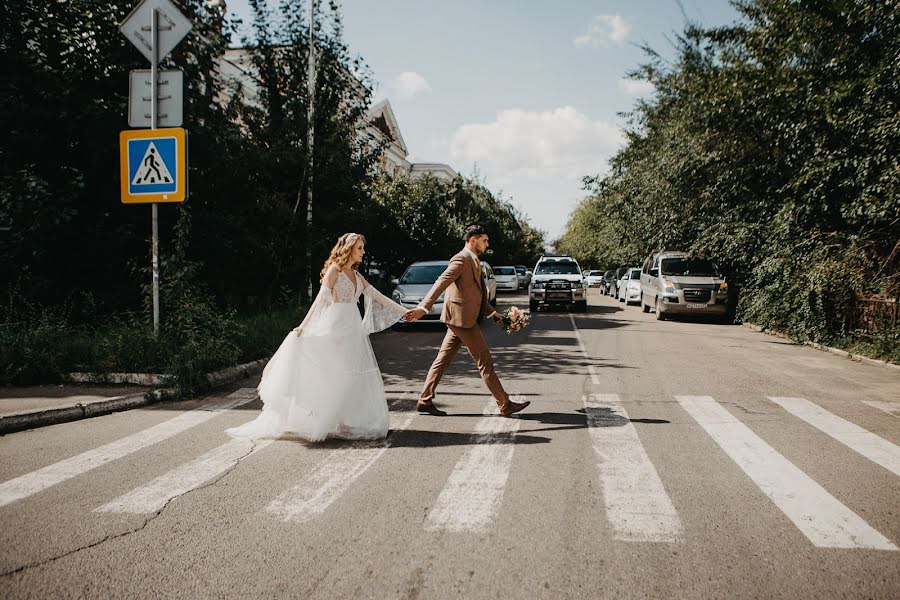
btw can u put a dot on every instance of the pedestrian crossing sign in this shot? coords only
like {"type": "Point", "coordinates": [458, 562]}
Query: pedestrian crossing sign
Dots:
{"type": "Point", "coordinates": [153, 165]}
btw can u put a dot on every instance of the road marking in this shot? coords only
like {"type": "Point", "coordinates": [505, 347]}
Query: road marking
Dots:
{"type": "Point", "coordinates": [637, 505]}
{"type": "Point", "coordinates": [875, 448]}
{"type": "Point", "coordinates": [891, 408]}
{"type": "Point", "coordinates": [817, 514]}
{"type": "Point", "coordinates": [318, 490]}
{"type": "Point", "coordinates": [155, 495]}
{"type": "Point", "coordinates": [471, 497]}
{"type": "Point", "coordinates": [592, 371]}
{"type": "Point", "coordinates": [36, 481]}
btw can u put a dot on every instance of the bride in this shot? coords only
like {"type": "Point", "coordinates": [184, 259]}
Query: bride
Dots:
{"type": "Point", "coordinates": [324, 381]}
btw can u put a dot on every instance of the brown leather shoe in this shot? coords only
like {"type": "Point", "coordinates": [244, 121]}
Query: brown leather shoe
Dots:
{"type": "Point", "coordinates": [510, 408]}
{"type": "Point", "coordinates": [428, 408]}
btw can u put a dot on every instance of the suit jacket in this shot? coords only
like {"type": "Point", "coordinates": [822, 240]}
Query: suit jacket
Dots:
{"type": "Point", "coordinates": [465, 302]}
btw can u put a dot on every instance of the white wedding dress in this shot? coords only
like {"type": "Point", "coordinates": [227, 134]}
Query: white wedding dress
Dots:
{"type": "Point", "coordinates": [326, 382]}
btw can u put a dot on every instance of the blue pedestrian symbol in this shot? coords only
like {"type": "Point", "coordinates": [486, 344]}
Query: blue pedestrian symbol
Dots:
{"type": "Point", "coordinates": [152, 165]}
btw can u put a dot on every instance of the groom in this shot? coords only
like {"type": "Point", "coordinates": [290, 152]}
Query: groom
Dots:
{"type": "Point", "coordinates": [464, 306]}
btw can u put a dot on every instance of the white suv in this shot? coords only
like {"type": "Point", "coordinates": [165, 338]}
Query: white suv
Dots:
{"type": "Point", "coordinates": [557, 280]}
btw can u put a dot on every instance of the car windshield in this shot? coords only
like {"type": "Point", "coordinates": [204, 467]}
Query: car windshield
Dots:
{"type": "Point", "coordinates": [595, 273]}
{"type": "Point", "coordinates": [634, 274]}
{"type": "Point", "coordinates": [520, 270]}
{"type": "Point", "coordinates": [557, 268]}
{"type": "Point", "coordinates": [504, 271]}
{"type": "Point", "coordinates": [689, 267]}
{"type": "Point", "coordinates": [422, 274]}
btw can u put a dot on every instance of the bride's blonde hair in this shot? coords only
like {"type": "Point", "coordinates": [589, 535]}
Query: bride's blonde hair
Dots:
{"type": "Point", "coordinates": [340, 254]}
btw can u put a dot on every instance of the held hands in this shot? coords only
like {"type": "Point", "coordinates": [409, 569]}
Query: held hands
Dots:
{"type": "Point", "coordinates": [498, 318]}
{"type": "Point", "coordinates": [413, 314]}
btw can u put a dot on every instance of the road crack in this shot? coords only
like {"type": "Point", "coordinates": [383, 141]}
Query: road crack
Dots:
{"type": "Point", "coordinates": [138, 529]}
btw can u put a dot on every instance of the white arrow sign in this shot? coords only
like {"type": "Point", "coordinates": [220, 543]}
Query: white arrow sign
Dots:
{"type": "Point", "coordinates": [173, 26]}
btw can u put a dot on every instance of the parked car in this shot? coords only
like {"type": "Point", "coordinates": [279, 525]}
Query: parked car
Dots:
{"type": "Point", "coordinates": [524, 276]}
{"type": "Point", "coordinates": [490, 282]}
{"type": "Point", "coordinates": [630, 291]}
{"type": "Point", "coordinates": [594, 279]}
{"type": "Point", "coordinates": [415, 282]}
{"type": "Point", "coordinates": [678, 283]}
{"type": "Point", "coordinates": [606, 282]}
{"type": "Point", "coordinates": [557, 281]}
{"type": "Point", "coordinates": [616, 280]}
{"type": "Point", "coordinates": [507, 279]}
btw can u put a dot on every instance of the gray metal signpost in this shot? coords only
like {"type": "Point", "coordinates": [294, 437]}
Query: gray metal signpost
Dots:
{"type": "Point", "coordinates": [155, 27]}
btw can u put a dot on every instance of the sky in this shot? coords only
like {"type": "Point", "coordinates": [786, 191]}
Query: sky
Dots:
{"type": "Point", "coordinates": [526, 92]}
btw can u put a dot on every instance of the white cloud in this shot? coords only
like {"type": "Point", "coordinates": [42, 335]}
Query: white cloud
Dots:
{"type": "Point", "coordinates": [636, 87]}
{"type": "Point", "coordinates": [407, 85]}
{"type": "Point", "coordinates": [604, 29]}
{"type": "Point", "coordinates": [537, 144]}
{"type": "Point", "coordinates": [538, 158]}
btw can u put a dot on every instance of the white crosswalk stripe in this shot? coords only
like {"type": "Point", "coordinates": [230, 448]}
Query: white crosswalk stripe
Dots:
{"type": "Point", "coordinates": [37, 481]}
{"type": "Point", "coordinates": [637, 505]}
{"type": "Point", "coordinates": [635, 502]}
{"type": "Point", "coordinates": [875, 448]}
{"type": "Point", "coordinates": [318, 490]}
{"type": "Point", "coordinates": [891, 408]}
{"type": "Point", "coordinates": [471, 497]}
{"type": "Point", "coordinates": [817, 514]}
{"type": "Point", "coordinates": [181, 480]}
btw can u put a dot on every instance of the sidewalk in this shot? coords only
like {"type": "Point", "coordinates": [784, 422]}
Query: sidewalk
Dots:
{"type": "Point", "coordinates": [36, 406]}
{"type": "Point", "coordinates": [28, 407]}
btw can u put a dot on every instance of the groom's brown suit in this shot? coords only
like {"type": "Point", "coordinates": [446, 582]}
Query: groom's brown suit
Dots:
{"type": "Point", "coordinates": [465, 303]}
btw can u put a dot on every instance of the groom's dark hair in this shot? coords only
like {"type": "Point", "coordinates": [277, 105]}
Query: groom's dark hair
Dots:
{"type": "Point", "coordinates": [474, 230]}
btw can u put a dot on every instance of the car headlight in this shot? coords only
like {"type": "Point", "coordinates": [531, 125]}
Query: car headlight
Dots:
{"type": "Point", "coordinates": [723, 287]}
{"type": "Point", "coordinates": [397, 295]}
{"type": "Point", "coordinates": [577, 285]}
{"type": "Point", "coordinates": [537, 285]}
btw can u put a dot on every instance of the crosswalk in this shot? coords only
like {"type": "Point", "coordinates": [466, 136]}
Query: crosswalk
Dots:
{"type": "Point", "coordinates": [634, 500]}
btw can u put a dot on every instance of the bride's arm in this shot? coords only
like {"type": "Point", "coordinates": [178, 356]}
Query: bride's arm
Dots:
{"type": "Point", "coordinates": [369, 291]}
{"type": "Point", "coordinates": [381, 312]}
{"type": "Point", "coordinates": [325, 297]}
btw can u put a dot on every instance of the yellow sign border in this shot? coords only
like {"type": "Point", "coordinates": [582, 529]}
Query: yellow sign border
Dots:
{"type": "Point", "coordinates": [180, 193]}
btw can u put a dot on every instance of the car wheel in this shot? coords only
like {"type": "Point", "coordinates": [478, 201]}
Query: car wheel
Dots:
{"type": "Point", "coordinates": [644, 306]}
{"type": "Point", "coordinates": [659, 315]}
{"type": "Point", "coordinates": [532, 306]}
{"type": "Point", "coordinates": [581, 306]}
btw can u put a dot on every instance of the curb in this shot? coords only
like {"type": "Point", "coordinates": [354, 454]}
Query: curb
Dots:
{"type": "Point", "coordinates": [42, 418]}
{"type": "Point", "coordinates": [829, 349]}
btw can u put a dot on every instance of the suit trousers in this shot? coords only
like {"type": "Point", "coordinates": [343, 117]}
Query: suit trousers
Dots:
{"type": "Point", "coordinates": [472, 338]}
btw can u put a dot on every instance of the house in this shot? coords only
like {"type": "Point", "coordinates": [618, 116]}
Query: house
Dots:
{"type": "Point", "coordinates": [237, 71]}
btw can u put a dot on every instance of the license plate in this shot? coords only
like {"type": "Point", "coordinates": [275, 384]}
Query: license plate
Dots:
{"type": "Point", "coordinates": [696, 306]}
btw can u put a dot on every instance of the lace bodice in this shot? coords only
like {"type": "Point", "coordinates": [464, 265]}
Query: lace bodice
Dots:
{"type": "Point", "coordinates": [344, 288]}
{"type": "Point", "coordinates": [379, 311]}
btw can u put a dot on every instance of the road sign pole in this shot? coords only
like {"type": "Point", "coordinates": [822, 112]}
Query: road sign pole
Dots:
{"type": "Point", "coordinates": [154, 64]}
{"type": "Point", "coordinates": [310, 140]}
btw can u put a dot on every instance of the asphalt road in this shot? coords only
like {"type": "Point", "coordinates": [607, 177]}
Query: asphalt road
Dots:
{"type": "Point", "coordinates": [657, 460]}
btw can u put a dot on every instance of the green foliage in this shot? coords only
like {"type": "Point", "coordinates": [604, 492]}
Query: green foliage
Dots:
{"type": "Point", "coordinates": [78, 259]}
{"type": "Point", "coordinates": [424, 219]}
{"type": "Point", "coordinates": [769, 146]}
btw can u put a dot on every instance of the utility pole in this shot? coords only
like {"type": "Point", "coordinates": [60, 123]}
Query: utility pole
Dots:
{"type": "Point", "coordinates": [310, 139]}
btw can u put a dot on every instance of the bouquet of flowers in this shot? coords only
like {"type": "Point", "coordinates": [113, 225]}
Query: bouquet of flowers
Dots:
{"type": "Point", "coordinates": [514, 320]}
